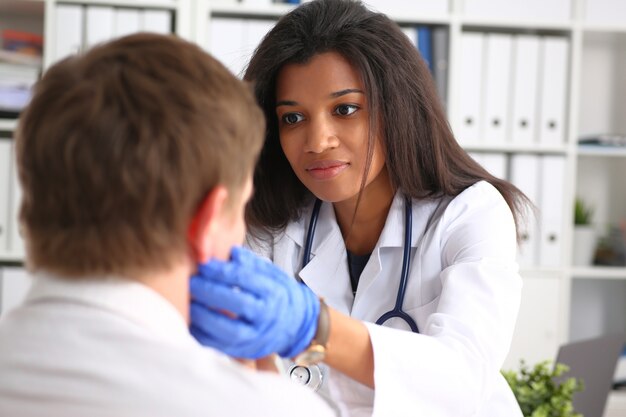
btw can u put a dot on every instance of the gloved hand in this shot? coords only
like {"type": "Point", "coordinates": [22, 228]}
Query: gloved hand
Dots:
{"type": "Point", "coordinates": [249, 308]}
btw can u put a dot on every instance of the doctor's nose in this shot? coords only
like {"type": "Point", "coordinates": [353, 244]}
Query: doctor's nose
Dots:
{"type": "Point", "coordinates": [320, 137]}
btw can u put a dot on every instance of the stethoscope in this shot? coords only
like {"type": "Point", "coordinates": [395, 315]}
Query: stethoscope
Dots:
{"type": "Point", "coordinates": [312, 376]}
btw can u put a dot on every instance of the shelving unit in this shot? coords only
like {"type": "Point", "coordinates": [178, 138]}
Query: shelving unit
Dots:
{"type": "Point", "coordinates": [599, 272]}
{"type": "Point", "coordinates": [595, 103]}
{"type": "Point", "coordinates": [8, 125]}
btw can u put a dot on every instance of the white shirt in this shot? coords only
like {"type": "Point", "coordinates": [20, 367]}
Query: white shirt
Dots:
{"type": "Point", "coordinates": [463, 292]}
{"type": "Point", "coordinates": [112, 347]}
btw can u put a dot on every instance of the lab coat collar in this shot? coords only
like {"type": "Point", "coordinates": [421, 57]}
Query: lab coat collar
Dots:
{"type": "Point", "coordinates": [122, 297]}
{"type": "Point", "coordinates": [392, 236]}
{"type": "Point", "coordinates": [328, 252]}
{"type": "Point", "coordinates": [422, 210]}
{"type": "Point", "coordinates": [327, 226]}
{"type": "Point", "coordinates": [328, 257]}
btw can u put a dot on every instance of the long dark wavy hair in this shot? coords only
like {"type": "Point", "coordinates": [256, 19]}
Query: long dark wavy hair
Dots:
{"type": "Point", "coordinates": [423, 158]}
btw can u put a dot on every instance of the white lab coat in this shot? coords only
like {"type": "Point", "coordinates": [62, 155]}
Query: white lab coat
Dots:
{"type": "Point", "coordinates": [463, 291]}
{"type": "Point", "coordinates": [116, 348]}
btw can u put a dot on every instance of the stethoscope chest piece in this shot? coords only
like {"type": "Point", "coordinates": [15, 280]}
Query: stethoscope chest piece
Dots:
{"type": "Point", "coordinates": [310, 376]}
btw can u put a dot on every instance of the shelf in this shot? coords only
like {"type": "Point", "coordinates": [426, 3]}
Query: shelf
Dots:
{"type": "Point", "coordinates": [601, 151]}
{"type": "Point", "coordinates": [538, 271]}
{"type": "Point", "coordinates": [525, 25]}
{"type": "Point", "coordinates": [274, 10]}
{"type": "Point", "coordinates": [418, 19]}
{"type": "Point", "coordinates": [599, 272]}
{"type": "Point", "coordinates": [8, 125]}
{"type": "Point", "coordinates": [510, 148]}
{"type": "Point", "coordinates": [593, 27]}
{"type": "Point", "coordinates": [135, 4]}
{"type": "Point", "coordinates": [11, 258]}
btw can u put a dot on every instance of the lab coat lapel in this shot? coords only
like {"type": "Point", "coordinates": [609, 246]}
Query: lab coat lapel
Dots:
{"type": "Point", "coordinates": [386, 260]}
{"type": "Point", "coordinates": [327, 271]}
{"type": "Point", "coordinates": [391, 236]}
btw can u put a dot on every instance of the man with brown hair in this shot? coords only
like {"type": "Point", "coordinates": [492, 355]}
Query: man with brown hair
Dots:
{"type": "Point", "coordinates": [135, 161]}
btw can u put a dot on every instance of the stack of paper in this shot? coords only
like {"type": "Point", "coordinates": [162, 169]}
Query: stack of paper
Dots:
{"type": "Point", "coordinates": [16, 81]}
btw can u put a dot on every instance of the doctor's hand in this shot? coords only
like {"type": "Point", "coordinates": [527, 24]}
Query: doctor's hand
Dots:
{"type": "Point", "coordinates": [249, 308]}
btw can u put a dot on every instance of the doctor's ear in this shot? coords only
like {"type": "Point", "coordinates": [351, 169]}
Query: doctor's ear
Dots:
{"type": "Point", "coordinates": [203, 229]}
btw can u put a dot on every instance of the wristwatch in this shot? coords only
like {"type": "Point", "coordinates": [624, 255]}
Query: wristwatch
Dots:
{"type": "Point", "coordinates": [316, 352]}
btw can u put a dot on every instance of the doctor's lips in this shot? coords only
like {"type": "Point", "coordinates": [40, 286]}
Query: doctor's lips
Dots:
{"type": "Point", "coordinates": [323, 170]}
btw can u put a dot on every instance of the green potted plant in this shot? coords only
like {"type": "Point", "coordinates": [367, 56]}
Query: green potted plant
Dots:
{"type": "Point", "coordinates": [583, 213]}
{"type": "Point", "coordinates": [584, 233]}
{"type": "Point", "coordinates": [541, 391]}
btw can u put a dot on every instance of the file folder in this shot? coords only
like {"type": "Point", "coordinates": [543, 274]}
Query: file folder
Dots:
{"type": "Point", "coordinates": [255, 31]}
{"type": "Point", "coordinates": [156, 21]}
{"type": "Point", "coordinates": [126, 21]}
{"type": "Point", "coordinates": [554, 77]}
{"type": "Point", "coordinates": [440, 61]}
{"type": "Point", "coordinates": [524, 174]}
{"type": "Point", "coordinates": [477, 156]}
{"type": "Point", "coordinates": [69, 30]}
{"type": "Point", "coordinates": [496, 88]}
{"type": "Point", "coordinates": [524, 98]}
{"type": "Point", "coordinates": [99, 24]}
{"type": "Point", "coordinates": [411, 33]}
{"type": "Point", "coordinates": [495, 164]}
{"type": "Point", "coordinates": [226, 42]}
{"type": "Point", "coordinates": [551, 205]}
{"type": "Point", "coordinates": [400, 7]}
{"type": "Point", "coordinates": [5, 183]}
{"type": "Point", "coordinates": [425, 45]}
{"type": "Point", "coordinates": [470, 79]}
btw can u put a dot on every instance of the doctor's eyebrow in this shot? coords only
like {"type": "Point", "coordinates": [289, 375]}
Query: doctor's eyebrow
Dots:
{"type": "Point", "coordinates": [334, 94]}
{"type": "Point", "coordinates": [346, 91]}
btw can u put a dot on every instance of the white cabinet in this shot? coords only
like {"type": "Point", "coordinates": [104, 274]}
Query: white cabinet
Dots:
{"type": "Point", "coordinates": [538, 333]}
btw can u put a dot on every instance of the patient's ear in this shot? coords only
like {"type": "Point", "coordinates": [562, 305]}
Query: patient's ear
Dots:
{"type": "Point", "coordinates": [204, 228]}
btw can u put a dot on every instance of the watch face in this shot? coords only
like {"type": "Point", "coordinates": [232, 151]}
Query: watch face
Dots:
{"type": "Point", "coordinates": [309, 376]}
{"type": "Point", "coordinates": [300, 374]}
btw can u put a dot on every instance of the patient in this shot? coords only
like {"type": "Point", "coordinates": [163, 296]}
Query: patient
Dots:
{"type": "Point", "coordinates": [135, 161]}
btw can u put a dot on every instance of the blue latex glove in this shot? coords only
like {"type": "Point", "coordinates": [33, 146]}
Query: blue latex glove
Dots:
{"type": "Point", "coordinates": [249, 308]}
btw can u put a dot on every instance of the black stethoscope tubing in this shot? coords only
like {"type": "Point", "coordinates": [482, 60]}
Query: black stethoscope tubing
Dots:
{"type": "Point", "coordinates": [397, 311]}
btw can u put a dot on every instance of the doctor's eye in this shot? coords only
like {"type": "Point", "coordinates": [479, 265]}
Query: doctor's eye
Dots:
{"type": "Point", "coordinates": [291, 118]}
{"type": "Point", "coordinates": [346, 109]}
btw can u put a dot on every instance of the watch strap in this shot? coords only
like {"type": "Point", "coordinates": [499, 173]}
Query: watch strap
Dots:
{"type": "Point", "coordinates": [323, 325]}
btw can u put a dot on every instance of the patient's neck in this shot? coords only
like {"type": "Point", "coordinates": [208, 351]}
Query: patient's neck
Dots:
{"type": "Point", "coordinates": [172, 284]}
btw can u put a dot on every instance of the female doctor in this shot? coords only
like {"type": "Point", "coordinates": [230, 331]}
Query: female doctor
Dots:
{"type": "Point", "coordinates": [364, 196]}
